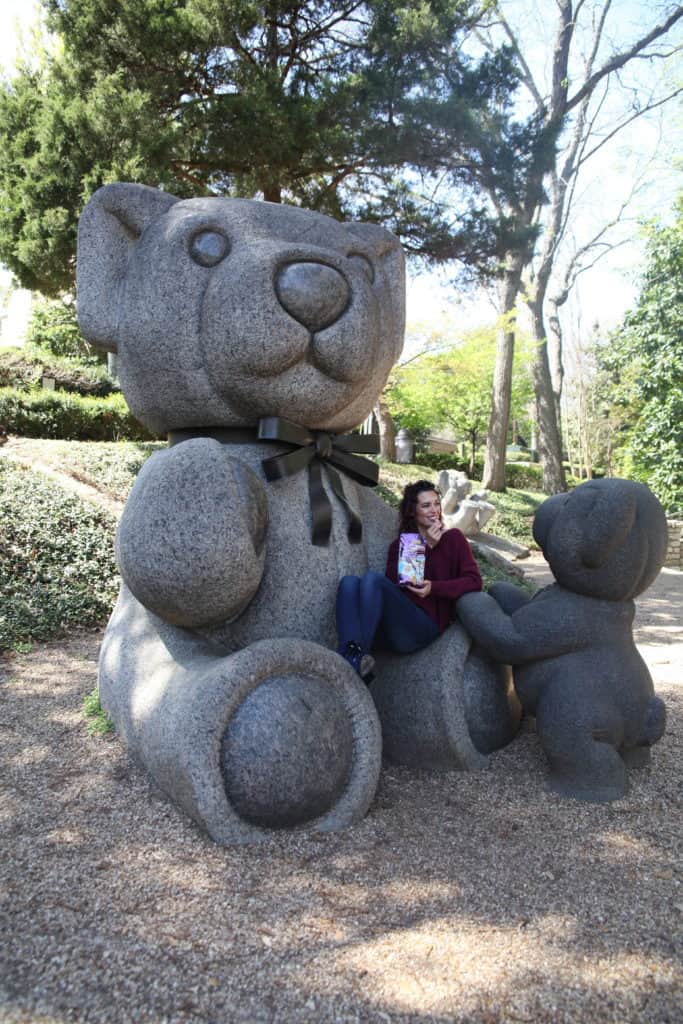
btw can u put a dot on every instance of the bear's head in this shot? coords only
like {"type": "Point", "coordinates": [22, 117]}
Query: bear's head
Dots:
{"type": "Point", "coordinates": [605, 539]}
{"type": "Point", "coordinates": [222, 311]}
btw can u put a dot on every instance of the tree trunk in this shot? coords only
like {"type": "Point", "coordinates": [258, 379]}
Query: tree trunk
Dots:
{"type": "Point", "coordinates": [496, 442]}
{"type": "Point", "coordinates": [555, 352]}
{"type": "Point", "coordinates": [272, 193]}
{"type": "Point", "coordinates": [387, 431]}
{"type": "Point", "coordinates": [473, 452]}
{"type": "Point", "coordinates": [549, 440]}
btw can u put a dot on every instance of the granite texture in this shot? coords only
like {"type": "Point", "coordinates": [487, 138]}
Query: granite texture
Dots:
{"type": "Point", "coordinates": [218, 665]}
{"type": "Point", "coordinates": [443, 707]}
{"type": "Point", "coordinates": [182, 707]}
{"type": "Point", "coordinates": [214, 345]}
{"type": "Point", "coordinates": [576, 666]}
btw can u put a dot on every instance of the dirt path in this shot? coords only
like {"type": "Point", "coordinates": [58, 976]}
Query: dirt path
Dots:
{"type": "Point", "coordinates": [462, 897]}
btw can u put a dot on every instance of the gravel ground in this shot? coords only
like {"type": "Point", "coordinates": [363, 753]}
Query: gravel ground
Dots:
{"type": "Point", "coordinates": [462, 897]}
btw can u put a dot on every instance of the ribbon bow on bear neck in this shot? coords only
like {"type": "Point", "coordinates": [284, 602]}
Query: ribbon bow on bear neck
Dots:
{"type": "Point", "coordinates": [312, 448]}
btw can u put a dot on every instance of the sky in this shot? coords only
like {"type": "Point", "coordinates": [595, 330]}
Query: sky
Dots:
{"type": "Point", "coordinates": [607, 291]}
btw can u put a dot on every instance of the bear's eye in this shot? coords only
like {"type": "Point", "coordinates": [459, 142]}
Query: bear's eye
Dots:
{"type": "Point", "coordinates": [208, 248]}
{"type": "Point", "coordinates": [363, 264]}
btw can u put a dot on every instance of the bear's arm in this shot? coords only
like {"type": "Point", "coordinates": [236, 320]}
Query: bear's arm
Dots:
{"type": "Point", "coordinates": [528, 635]}
{"type": "Point", "coordinates": [190, 544]}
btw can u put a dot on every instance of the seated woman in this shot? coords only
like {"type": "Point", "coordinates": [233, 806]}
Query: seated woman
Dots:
{"type": "Point", "coordinates": [403, 618]}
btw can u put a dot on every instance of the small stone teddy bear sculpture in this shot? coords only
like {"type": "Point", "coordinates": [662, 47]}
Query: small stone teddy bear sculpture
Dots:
{"type": "Point", "coordinates": [255, 335]}
{"type": "Point", "coordinates": [576, 666]}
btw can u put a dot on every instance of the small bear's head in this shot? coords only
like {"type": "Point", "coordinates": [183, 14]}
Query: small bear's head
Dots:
{"type": "Point", "coordinates": [605, 539]}
{"type": "Point", "coordinates": [225, 310]}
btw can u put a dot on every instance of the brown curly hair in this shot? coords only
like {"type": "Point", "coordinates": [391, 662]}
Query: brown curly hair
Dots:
{"type": "Point", "coordinates": [408, 506]}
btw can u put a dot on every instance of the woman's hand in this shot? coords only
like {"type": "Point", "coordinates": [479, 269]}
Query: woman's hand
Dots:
{"type": "Point", "coordinates": [433, 533]}
{"type": "Point", "coordinates": [424, 590]}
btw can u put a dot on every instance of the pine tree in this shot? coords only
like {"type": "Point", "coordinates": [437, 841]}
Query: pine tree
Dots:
{"type": "Point", "coordinates": [337, 106]}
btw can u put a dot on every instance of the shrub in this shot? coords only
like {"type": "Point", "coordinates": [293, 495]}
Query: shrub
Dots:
{"type": "Point", "coordinates": [57, 568]}
{"type": "Point", "coordinates": [439, 461]}
{"type": "Point", "coordinates": [491, 574]}
{"type": "Point", "coordinates": [526, 476]}
{"type": "Point", "coordinates": [25, 368]}
{"type": "Point", "coordinates": [515, 511]}
{"type": "Point", "coordinates": [57, 414]}
{"type": "Point", "coordinates": [523, 476]}
{"type": "Point", "coordinates": [110, 466]}
{"type": "Point", "coordinates": [54, 328]}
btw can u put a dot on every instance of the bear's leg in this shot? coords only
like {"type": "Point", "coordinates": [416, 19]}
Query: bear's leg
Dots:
{"type": "Point", "coordinates": [581, 739]}
{"type": "Point", "coordinates": [280, 734]}
{"type": "Point", "coordinates": [635, 757]}
{"type": "Point", "coordinates": [651, 728]}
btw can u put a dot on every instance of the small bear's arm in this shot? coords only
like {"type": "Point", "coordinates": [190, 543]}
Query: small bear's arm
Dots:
{"type": "Point", "coordinates": [190, 544]}
{"type": "Point", "coordinates": [530, 634]}
{"type": "Point", "coordinates": [509, 597]}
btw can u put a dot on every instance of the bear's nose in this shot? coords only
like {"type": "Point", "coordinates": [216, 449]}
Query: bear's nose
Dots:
{"type": "Point", "coordinates": [314, 294]}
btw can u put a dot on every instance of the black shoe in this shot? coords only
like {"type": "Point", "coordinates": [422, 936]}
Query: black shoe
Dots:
{"type": "Point", "coordinates": [360, 662]}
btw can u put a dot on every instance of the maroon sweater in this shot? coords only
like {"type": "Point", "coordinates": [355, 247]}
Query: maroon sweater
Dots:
{"type": "Point", "coordinates": [452, 570]}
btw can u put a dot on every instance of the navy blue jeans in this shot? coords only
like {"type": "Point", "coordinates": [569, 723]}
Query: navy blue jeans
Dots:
{"type": "Point", "coordinates": [371, 608]}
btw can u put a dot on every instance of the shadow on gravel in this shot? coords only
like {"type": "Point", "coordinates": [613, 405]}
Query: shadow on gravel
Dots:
{"type": "Point", "coordinates": [462, 897]}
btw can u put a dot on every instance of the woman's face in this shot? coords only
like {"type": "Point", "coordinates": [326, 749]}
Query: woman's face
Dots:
{"type": "Point", "coordinates": [427, 509]}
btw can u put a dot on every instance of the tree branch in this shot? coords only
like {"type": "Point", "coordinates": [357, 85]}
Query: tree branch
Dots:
{"type": "Point", "coordinates": [620, 59]}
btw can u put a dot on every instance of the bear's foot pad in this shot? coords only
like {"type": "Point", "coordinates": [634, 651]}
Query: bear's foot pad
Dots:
{"type": "Point", "coordinates": [287, 752]}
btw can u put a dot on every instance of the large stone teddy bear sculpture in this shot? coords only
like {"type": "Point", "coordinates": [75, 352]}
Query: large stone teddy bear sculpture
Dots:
{"type": "Point", "coordinates": [256, 336]}
{"type": "Point", "coordinates": [577, 669]}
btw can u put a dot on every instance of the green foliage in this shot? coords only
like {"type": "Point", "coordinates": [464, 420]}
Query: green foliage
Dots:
{"type": "Point", "coordinates": [71, 417]}
{"type": "Point", "coordinates": [25, 367]}
{"type": "Point", "coordinates": [452, 389]}
{"type": "Point", "coordinates": [525, 476]}
{"type": "Point", "coordinates": [322, 103]}
{"type": "Point", "coordinates": [436, 461]}
{"type": "Point", "coordinates": [515, 511]}
{"type": "Point", "coordinates": [493, 574]}
{"type": "Point", "coordinates": [642, 372]}
{"type": "Point", "coordinates": [57, 569]}
{"type": "Point", "coordinates": [99, 723]}
{"type": "Point", "coordinates": [54, 329]}
{"type": "Point", "coordinates": [111, 467]}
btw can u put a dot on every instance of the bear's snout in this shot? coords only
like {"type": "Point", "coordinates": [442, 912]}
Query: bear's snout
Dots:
{"type": "Point", "coordinates": [313, 293]}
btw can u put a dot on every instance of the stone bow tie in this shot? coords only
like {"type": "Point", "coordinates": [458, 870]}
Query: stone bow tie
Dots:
{"type": "Point", "coordinates": [315, 448]}
{"type": "Point", "coordinates": [312, 448]}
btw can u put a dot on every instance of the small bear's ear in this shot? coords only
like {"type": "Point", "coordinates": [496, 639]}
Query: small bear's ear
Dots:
{"type": "Point", "coordinates": [608, 523]}
{"type": "Point", "coordinates": [111, 223]}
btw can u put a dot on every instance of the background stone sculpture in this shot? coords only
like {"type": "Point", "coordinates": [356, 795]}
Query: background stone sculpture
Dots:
{"type": "Point", "coordinates": [468, 512]}
{"type": "Point", "coordinates": [576, 666]}
{"type": "Point", "coordinates": [218, 665]}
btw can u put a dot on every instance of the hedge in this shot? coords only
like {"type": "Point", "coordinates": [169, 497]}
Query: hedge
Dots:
{"type": "Point", "coordinates": [57, 414]}
{"type": "Point", "coordinates": [57, 568]}
{"type": "Point", "coordinates": [25, 368]}
{"type": "Point", "coordinates": [440, 460]}
{"type": "Point", "coordinates": [524, 476]}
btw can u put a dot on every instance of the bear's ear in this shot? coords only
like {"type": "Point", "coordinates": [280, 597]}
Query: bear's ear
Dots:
{"type": "Point", "coordinates": [388, 252]}
{"type": "Point", "coordinates": [386, 248]}
{"type": "Point", "coordinates": [112, 221]}
{"type": "Point", "coordinates": [608, 523]}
